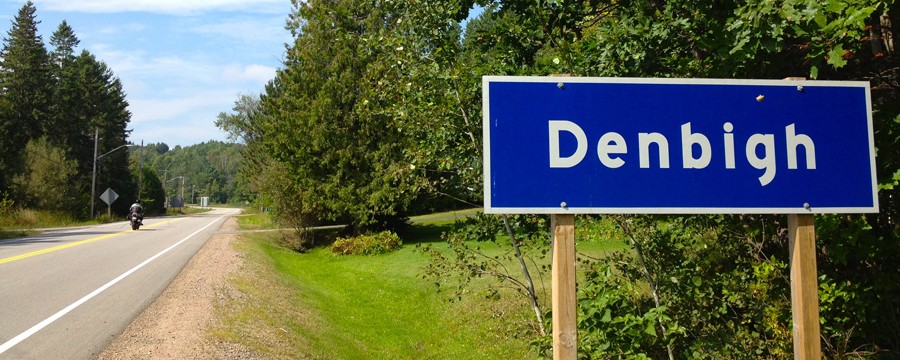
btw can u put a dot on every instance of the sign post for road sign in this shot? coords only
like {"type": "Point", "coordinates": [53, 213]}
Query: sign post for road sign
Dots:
{"type": "Point", "coordinates": [566, 146]}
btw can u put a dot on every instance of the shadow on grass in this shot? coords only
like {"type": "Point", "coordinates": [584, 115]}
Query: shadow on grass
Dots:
{"type": "Point", "coordinates": [411, 234]}
{"type": "Point", "coordinates": [423, 233]}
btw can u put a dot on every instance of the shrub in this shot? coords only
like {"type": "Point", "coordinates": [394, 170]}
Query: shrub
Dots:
{"type": "Point", "coordinates": [380, 243]}
{"type": "Point", "coordinates": [7, 205]}
{"type": "Point", "coordinates": [26, 217]}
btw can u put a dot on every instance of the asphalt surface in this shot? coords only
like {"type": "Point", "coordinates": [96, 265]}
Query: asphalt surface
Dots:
{"type": "Point", "coordinates": [68, 294]}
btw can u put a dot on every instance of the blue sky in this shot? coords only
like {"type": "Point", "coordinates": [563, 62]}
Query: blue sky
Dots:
{"type": "Point", "coordinates": [181, 61]}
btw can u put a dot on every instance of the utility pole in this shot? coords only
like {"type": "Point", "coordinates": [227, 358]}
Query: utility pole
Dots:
{"type": "Point", "coordinates": [94, 179]}
{"type": "Point", "coordinates": [165, 193]}
{"type": "Point", "coordinates": [176, 184]}
{"type": "Point", "coordinates": [182, 192]}
{"type": "Point", "coordinates": [141, 171]}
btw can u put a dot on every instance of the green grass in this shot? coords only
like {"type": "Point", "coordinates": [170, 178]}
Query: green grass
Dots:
{"type": "Point", "coordinates": [251, 220]}
{"type": "Point", "coordinates": [186, 211]}
{"type": "Point", "coordinates": [26, 222]}
{"type": "Point", "coordinates": [29, 219]}
{"type": "Point", "coordinates": [12, 234]}
{"type": "Point", "coordinates": [375, 307]}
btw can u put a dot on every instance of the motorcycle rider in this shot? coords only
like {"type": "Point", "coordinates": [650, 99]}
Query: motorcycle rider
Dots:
{"type": "Point", "coordinates": [136, 208]}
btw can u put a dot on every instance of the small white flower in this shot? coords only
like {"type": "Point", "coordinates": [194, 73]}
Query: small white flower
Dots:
{"type": "Point", "coordinates": [400, 48]}
{"type": "Point", "coordinates": [556, 61]}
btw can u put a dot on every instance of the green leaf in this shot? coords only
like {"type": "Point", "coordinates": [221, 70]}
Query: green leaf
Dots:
{"type": "Point", "coordinates": [836, 57]}
{"type": "Point", "coordinates": [740, 45]}
{"type": "Point", "coordinates": [814, 72]}
{"type": "Point", "coordinates": [697, 281]}
{"type": "Point", "coordinates": [650, 330]}
{"type": "Point", "coordinates": [820, 19]}
{"type": "Point", "coordinates": [835, 6]}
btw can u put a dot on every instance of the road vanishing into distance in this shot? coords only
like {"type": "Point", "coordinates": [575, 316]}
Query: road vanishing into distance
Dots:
{"type": "Point", "coordinates": [67, 294]}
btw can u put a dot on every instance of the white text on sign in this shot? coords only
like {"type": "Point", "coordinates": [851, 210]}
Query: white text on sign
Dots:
{"type": "Point", "coordinates": [612, 147]}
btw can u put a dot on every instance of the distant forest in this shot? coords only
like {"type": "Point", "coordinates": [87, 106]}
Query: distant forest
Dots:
{"type": "Point", "coordinates": [206, 169]}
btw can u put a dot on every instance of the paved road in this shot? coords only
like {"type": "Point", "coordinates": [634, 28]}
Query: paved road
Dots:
{"type": "Point", "coordinates": [66, 295]}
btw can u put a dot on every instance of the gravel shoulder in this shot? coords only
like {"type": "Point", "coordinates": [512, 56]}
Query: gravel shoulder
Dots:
{"type": "Point", "coordinates": [177, 325]}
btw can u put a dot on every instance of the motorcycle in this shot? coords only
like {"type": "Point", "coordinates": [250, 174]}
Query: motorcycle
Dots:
{"type": "Point", "coordinates": [135, 221]}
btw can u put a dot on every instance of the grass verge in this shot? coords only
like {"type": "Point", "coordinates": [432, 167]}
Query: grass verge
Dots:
{"type": "Point", "coordinates": [186, 211]}
{"type": "Point", "coordinates": [323, 306]}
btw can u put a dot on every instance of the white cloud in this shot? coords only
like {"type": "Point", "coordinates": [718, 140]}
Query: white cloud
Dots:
{"type": "Point", "coordinates": [124, 28]}
{"type": "Point", "coordinates": [253, 73]}
{"type": "Point", "coordinates": [169, 7]}
{"type": "Point", "coordinates": [248, 30]}
{"type": "Point", "coordinates": [169, 108]}
{"type": "Point", "coordinates": [182, 119]}
{"type": "Point", "coordinates": [176, 100]}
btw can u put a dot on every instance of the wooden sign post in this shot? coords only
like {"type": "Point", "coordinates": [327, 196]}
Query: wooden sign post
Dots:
{"type": "Point", "coordinates": [804, 287]}
{"type": "Point", "coordinates": [565, 332]}
{"type": "Point", "coordinates": [804, 283]}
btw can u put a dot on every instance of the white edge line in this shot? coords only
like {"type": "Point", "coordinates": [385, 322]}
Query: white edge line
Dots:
{"type": "Point", "coordinates": [34, 329]}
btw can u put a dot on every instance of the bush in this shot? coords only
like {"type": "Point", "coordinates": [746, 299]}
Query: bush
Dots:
{"type": "Point", "coordinates": [380, 243]}
{"type": "Point", "coordinates": [7, 205]}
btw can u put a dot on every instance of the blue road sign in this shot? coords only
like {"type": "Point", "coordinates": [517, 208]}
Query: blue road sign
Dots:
{"type": "Point", "coordinates": [683, 146]}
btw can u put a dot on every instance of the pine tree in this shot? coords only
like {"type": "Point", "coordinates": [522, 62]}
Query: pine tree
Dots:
{"type": "Point", "coordinates": [25, 70]}
{"type": "Point", "coordinates": [67, 131]}
{"type": "Point", "coordinates": [102, 105]}
{"type": "Point", "coordinates": [25, 83]}
{"type": "Point", "coordinates": [64, 43]}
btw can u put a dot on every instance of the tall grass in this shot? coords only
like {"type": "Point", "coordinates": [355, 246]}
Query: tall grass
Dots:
{"type": "Point", "coordinates": [29, 219]}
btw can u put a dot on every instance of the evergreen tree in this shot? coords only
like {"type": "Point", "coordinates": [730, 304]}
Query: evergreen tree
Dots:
{"type": "Point", "coordinates": [64, 43]}
{"type": "Point", "coordinates": [10, 146]}
{"type": "Point", "coordinates": [102, 105]}
{"type": "Point", "coordinates": [26, 88]}
{"type": "Point", "coordinates": [68, 132]}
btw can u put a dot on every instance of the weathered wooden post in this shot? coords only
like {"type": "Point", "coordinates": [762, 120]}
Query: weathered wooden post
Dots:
{"type": "Point", "coordinates": [565, 333]}
{"type": "Point", "coordinates": [804, 287]}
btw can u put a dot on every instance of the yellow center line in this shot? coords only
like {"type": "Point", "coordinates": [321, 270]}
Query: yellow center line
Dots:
{"type": "Point", "coordinates": [82, 242]}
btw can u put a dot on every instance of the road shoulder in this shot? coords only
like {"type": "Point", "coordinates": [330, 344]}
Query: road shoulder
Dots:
{"type": "Point", "coordinates": [177, 325]}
